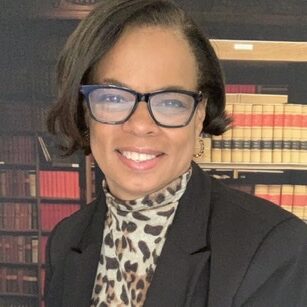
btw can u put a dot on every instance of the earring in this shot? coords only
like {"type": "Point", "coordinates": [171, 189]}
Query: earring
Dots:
{"type": "Point", "coordinates": [86, 135]}
{"type": "Point", "coordinates": [201, 150]}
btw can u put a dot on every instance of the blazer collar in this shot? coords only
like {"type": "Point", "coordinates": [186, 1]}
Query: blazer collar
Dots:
{"type": "Point", "coordinates": [83, 256]}
{"type": "Point", "coordinates": [185, 252]}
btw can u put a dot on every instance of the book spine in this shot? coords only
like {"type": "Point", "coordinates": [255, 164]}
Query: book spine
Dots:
{"type": "Point", "coordinates": [247, 133]}
{"type": "Point", "coordinates": [298, 201]}
{"type": "Point", "coordinates": [216, 152]}
{"type": "Point", "coordinates": [296, 125]}
{"type": "Point", "coordinates": [262, 191]}
{"type": "Point", "coordinates": [275, 193]}
{"type": "Point", "coordinates": [303, 140]}
{"type": "Point", "coordinates": [287, 133]}
{"type": "Point", "coordinates": [256, 133]}
{"type": "Point", "coordinates": [286, 200]}
{"type": "Point", "coordinates": [226, 138]}
{"type": "Point", "coordinates": [237, 133]}
{"type": "Point", "coordinates": [267, 133]}
{"type": "Point", "coordinates": [278, 133]}
{"type": "Point", "coordinates": [34, 245]}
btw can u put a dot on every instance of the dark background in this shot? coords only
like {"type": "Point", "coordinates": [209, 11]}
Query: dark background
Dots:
{"type": "Point", "coordinates": [32, 33]}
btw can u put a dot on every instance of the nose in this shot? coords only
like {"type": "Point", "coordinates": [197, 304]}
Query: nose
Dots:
{"type": "Point", "coordinates": [141, 123]}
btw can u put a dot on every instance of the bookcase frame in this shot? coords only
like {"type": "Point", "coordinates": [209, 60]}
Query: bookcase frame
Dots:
{"type": "Point", "coordinates": [26, 299]}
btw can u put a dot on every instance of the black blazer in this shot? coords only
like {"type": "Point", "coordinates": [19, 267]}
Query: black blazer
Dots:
{"type": "Point", "coordinates": [225, 248]}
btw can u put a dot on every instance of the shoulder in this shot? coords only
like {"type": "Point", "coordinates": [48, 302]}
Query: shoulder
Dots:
{"type": "Point", "coordinates": [240, 213]}
{"type": "Point", "coordinates": [75, 221]}
{"type": "Point", "coordinates": [235, 202]}
{"type": "Point", "coordinates": [68, 232]}
{"type": "Point", "coordinates": [260, 225]}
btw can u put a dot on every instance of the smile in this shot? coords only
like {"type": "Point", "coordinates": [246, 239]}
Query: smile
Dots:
{"type": "Point", "coordinates": [137, 157]}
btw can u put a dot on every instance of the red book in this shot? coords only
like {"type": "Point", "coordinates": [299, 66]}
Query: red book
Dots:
{"type": "Point", "coordinates": [46, 216]}
{"type": "Point", "coordinates": [241, 88]}
{"type": "Point", "coordinates": [299, 204]}
{"type": "Point", "coordinates": [43, 242]}
{"type": "Point", "coordinates": [286, 199]}
{"type": "Point", "coordinates": [262, 191]}
{"type": "Point", "coordinates": [41, 183]}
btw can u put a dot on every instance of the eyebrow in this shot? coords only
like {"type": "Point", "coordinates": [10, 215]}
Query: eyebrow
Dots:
{"type": "Point", "coordinates": [115, 82]}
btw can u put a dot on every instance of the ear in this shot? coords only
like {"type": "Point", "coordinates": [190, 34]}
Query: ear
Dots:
{"type": "Point", "coordinates": [200, 117]}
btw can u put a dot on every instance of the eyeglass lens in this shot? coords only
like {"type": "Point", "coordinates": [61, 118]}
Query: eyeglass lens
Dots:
{"type": "Point", "coordinates": [116, 105]}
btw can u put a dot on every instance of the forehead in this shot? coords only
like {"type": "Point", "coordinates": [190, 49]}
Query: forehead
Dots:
{"type": "Point", "coordinates": [149, 58]}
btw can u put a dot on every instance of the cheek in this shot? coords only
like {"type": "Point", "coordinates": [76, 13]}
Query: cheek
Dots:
{"type": "Point", "coordinates": [183, 141]}
{"type": "Point", "coordinates": [199, 119]}
{"type": "Point", "coordinates": [98, 140]}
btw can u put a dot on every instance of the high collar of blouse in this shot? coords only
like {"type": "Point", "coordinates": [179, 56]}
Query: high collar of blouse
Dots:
{"type": "Point", "coordinates": [169, 194]}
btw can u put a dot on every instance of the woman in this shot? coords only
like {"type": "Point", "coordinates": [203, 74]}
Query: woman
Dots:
{"type": "Point", "coordinates": [138, 83]}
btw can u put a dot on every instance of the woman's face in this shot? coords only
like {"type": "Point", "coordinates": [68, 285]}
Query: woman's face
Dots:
{"type": "Point", "coordinates": [145, 59]}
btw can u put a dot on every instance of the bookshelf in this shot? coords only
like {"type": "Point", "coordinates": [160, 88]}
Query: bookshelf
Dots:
{"type": "Point", "coordinates": [269, 66]}
{"type": "Point", "coordinates": [37, 191]}
{"type": "Point", "coordinates": [260, 50]}
{"type": "Point", "coordinates": [264, 153]}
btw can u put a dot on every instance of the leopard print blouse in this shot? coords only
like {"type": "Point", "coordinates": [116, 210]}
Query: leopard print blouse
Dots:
{"type": "Point", "coordinates": [133, 238]}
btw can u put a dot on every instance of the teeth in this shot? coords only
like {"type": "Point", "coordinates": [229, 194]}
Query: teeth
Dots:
{"type": "Point", "coordinates": [137, 157]}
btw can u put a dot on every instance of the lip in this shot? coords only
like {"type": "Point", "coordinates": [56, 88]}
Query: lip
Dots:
{"type": "Point", "coordinates": [143, 150]}
{"type": "Point", "coordinates": [140, 165]}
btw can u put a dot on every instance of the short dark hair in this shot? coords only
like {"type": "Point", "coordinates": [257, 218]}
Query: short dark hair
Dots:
{"type": "Point", "coordinates": [97, 34]}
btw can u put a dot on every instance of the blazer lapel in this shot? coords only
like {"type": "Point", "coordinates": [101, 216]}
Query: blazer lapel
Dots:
{"type": "Point", "coordinates": [83, 257]}
{"type": "Point", "coordinates": [185, 255]}
{"type": "Point", "coordinates": [186, 252]}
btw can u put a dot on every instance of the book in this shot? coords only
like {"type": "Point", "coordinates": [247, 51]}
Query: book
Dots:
{"type": "Point", "coordinates": [241, 88]}
{"type": "Point", "coordinates": [256, 98]}
{"type": "Point", "coordinates": [274, 193]}
{"type": "Point", "coordinates": [238, 132]}
{"type": "Point", "coordinates": [227, 138]}
{"type": "Point", "coordinates": [277, 133]}
{"type": "Point", "coordinates": [59, 184]}
{"type": "Point", "coordinates": [17, 149]}
{"type": "Point", "coordinates": [52, 214]}
{"type": "Point", "coordinates": [256, 134]}
{"type": "Point", "coordinates": [262, 191]}
{"type": "Point", "coordinates": [299, 201]}
{"type": "Point", "coordinates": [247, 133]}
{"type": "Point", "coordinates": [303, 136]}
{"type": "Point", "coordinates": [296, 126]}
{"type": "Point", "coordinates": [289, 109]}
{"type": "Point", "coordinates": [267, 133]}
{"type": "Point", "coordinates": [216, 148]}
{"type": "Point", "coordinates": [286, 200]}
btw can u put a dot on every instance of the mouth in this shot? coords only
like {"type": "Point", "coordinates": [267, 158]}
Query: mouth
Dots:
{"type": "Point", "coordinates": [139, 157]}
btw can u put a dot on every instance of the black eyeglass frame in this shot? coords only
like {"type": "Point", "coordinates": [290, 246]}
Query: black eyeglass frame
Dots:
{"type": "Point", "coordinates": [85, 90]}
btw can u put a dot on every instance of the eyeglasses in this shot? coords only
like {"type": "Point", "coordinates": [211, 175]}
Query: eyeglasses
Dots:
{"type": "Point", "coordinates": [110, 104]}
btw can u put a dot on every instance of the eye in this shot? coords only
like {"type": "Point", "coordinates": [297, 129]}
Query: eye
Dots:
{"type": "Point", "coordinates": [172, 103]}
{"type": "Point", "coordinates": [108, 98]}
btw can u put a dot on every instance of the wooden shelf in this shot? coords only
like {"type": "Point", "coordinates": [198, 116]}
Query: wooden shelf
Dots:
{"type": "Point", "coordinates": [18, 295]}
{"type": "Point", "coordinates": [258, 167]}
{"type": "Point", "coordinates": [252, 50]}
{"type": "Point", "coordinates": [19, 264]}
{"type": "Point", "coordinates": [23, 199]}
{"type": "Point", "coordinates": [18, 232]}
{"type": "Point", "coordinates": [59, 200]}
{"type": "Point", "coordinates": [17, 166]}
